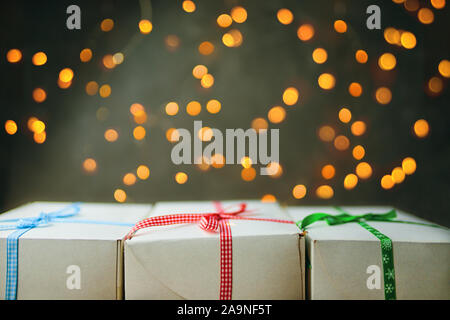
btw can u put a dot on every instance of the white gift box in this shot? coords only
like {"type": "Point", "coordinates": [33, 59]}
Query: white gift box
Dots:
{"type": "Point", "coordinates": [183, 261]}
{"type": "Point", "coordinates": [346, 259]}
{"type": "Point", "coordinates": [63, 260]}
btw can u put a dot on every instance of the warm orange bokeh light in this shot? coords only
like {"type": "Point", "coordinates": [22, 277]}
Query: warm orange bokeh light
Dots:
{"type": "Point", "coordinates": [120, 195]}
{"type": "Point", "coordinates": [207, 81]}
{"type": "Point", "coordinates": [387, 182]}
{"type": "Point", "coordinates": [355, 89]}
{"type": "Point", "coordinates": [86, 55]}
{"type": "Point", "coordinates": [290, 96]}
{"type": "Point", "coordinates": [188, 6]}
{"type": "Point", "coordinates": [66, 75]}
{"type": "Point", "coordinates": [248, 174]}
{"type": "Point", "coordinates": [259, 124]}
{"type": "Point", "coordinates": [320, 55]}
{"type": "Point", "coordinates": [143, 172]}
{"type": "Point", "coordinates": [358, 152]}
{"type": "Point", "coordinates": [425, 16]}
{"type": "Point", "coordinates": [111, 135]}
{"type": "Point", "coordinates": [387, 61]}
{"type": "Point", "coordinates": [145, 26]}
{"type": "Point", "coordinates": [172, 108]}
{"type": "Point", "coordinates": [383, 95]}
{"type": "Point", "coordinates": [325, 192]}
{"type": "Point", "coordinates": [421, 128]}
{"type": "Point", "coordinates": [213, 106]}
{"type": "Point", "coordinates": [392, 36]}
{"type": "Point", "coordinates": [274, 170]}
{"type": "Point", "coordinates": [14, 55]}
{"type": "Point", "coordinates": [64, 85]}
{"type": "Point", "coordinates": [233, 38]}
{"type": "Point", "coordinates": [105, 91]}
{"type": "Point", "coordinates": [108, 61]}
{"type": "Point", "coordinates": [107, 25]}
{"type": "Point", "coordinates": [299, 191]}
{"type": "Point", "coordinates": [139, 133]}
{"type": "Point", "coordinates": [40, 137]}
{"type": "Point", "coordinates": [239, 14]}
{"type": "Point", "coordinates": [409, 165]}
{"type": "Point", "coordinates": [340, 26]}
{"type": "Point", "coordinates": [408, 40]}
{"type": "Point", "coordinates": [172, 135]}
{"type": "Point", "coordinates": [129, 179]}
{"type": "Point", "coordinates": [364, 170]}
{"type": "Point", "coordinates": [358, 128]}
{"type": "Point", "coordinates": [199, 71]}
{"type": "Point", "coordinates": [326, 133]}
{"type": "Point", "coordinates": [276, 114]}
{"type": "Point", "coordinates": [444, 68]}
{"type": "Point", "coordinates": [39, 95]}
{"type": "Point", "coordinates": [181, 177]}
{"type": "Point", "coordinates": [305, 32]}
{"type": "Point", "coordinates": [224, 20]}
{"type": "Point", "coordinates": [90, 165]}
{"type": "Point", "coordinates": [326, 81]}
{"type": "Point", "coordinates": [37, 126]}
{"type": "Point", "coordinates": [91, 88]}
{"type": "Point", "coordinates": [345, 115]}
{"type": "Point", "coordinates": [285, 16]}
{"type": "Point", "coordinates": [206, 48]}
{"type": "Point", "coordinates": [217, 161]}
{"type": "Point", "coordinates": [341, 143]}
{"type": "Point", "coordinates": [398, 175]}
{"type": "Point", "coordinates": [39, 58]}
{"type": "Point", "coordinates": [435, 85]}
{"type": "Point", "coordinates": [328, 171]}
{"type": "Point", "coordinates": [438, 4]}
{"type": "Point", "coordinates": [268, 198]}
{"type": "Point", "coordinates": [350, 181]}
{"type": "Point", "coordinates": [193, 108]}
{"type": "Point", "coordinates": [10, 127]}
{"type": "Point", "coordinates": [361, 56]}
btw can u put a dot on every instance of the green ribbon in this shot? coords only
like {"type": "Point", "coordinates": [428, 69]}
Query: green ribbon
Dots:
{"type": "Point", "coordinates": [387, 253]}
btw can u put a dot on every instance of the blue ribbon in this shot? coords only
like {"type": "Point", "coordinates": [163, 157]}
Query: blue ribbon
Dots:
{"type": "Point", "coordinates": [23, 225]}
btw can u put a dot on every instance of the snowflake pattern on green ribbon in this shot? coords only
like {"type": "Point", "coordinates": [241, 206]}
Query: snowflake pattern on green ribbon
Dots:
{"type": "Point", "coordinates": [387, 257]}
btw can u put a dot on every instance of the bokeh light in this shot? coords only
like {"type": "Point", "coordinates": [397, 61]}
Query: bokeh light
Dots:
{"type": "Point", "coordinates": [39, 58]}
{"type": "Point", "coordinates": [10, 127]}
{"type": "Point", "coordinates": [285, 16]}
{"type": "Point", "coordinates": [325, 192]}
{"type": "Point", "coordinates": [305, 32]}
{"type": "Point", "coordinates": [299, 191]}
{"type": "Point", "coordinates": [363, 170]}
{"type": "Point", "coordinates": [421, 128]}
{"type": "Point", "coordinates": [409, 165]}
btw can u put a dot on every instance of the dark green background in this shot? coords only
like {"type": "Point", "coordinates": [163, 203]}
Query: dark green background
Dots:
{"type": "Point", "coordinates": [249, 80]}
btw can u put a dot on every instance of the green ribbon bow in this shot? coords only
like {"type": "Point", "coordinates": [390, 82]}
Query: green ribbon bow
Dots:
{"type": "Point", "coordinates": [387, 253]}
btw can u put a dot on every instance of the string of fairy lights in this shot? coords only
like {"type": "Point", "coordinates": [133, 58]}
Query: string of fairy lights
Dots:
{"type": "Point", "coordinates": [232, 37]}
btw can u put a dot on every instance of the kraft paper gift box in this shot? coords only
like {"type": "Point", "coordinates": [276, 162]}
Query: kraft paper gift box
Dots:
{"type": "Point", "coordinates": [183, 261]}
{"type": "Point", "coordinates": [73, 257]}
{"type": "Point", "coordinates": [346, 260]}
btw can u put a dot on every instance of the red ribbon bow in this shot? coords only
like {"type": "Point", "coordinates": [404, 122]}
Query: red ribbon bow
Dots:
{"type": "Point", "coordinates": [212, 222]}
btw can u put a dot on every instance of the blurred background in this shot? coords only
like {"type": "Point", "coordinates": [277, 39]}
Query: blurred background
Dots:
{"type": "Point", "coordinates": [87, 115]}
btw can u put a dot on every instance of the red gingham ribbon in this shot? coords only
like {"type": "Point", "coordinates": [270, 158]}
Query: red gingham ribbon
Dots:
{"type": "Point", "coordinates": [214, 221]}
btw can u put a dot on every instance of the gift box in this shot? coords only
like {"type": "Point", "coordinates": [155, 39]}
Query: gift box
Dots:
{"type": "Point", "coordinates": [206, 250]}
{"type": "Point", "coordinates": [65, 251]}
{"type": "Point", "coordinates": [361, 253]}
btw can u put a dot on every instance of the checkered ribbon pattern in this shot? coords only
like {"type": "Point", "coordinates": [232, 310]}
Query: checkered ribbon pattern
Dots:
{"type": "Point", "coordinates": [217, 221]}
{"type": "Point", "coordinates": [21, 226]}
